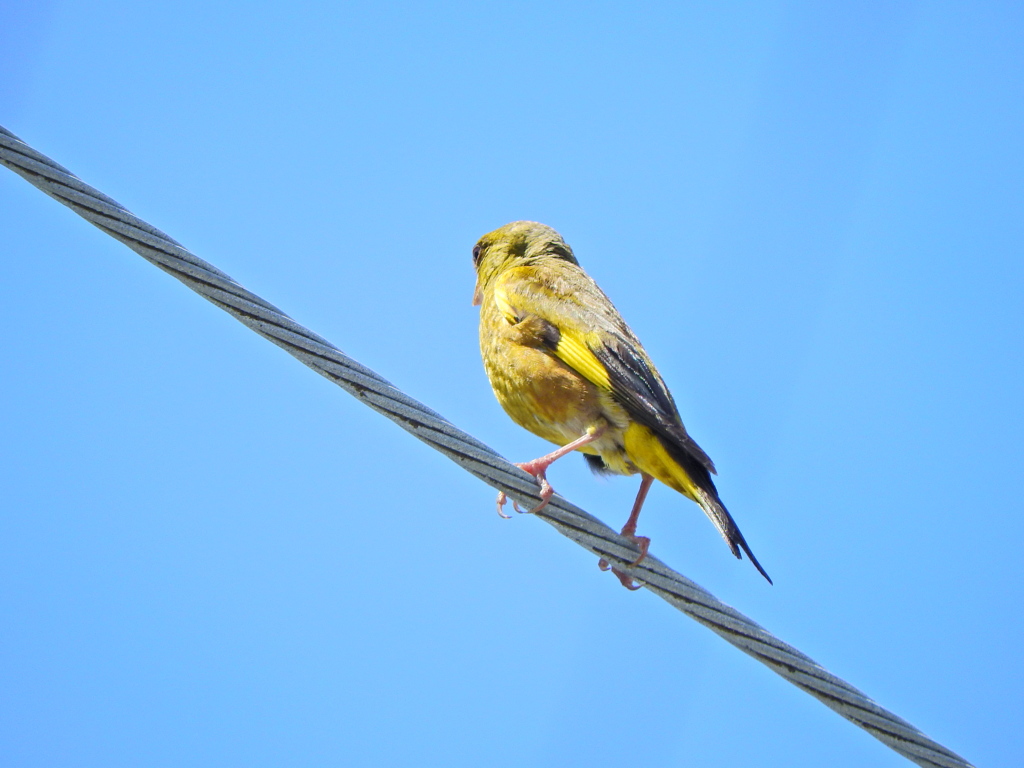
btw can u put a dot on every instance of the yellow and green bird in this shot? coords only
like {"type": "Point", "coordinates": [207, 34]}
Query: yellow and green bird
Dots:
{"type": "Point", "coordinates": [564, 365]}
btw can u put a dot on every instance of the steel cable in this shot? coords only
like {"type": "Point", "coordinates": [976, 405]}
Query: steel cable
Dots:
{"type": "Point", "coordinates": [469, 453]}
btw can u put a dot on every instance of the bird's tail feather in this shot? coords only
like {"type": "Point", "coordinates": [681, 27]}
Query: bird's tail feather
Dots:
{"type": "Point", "coordinates": [723, 521]}
{"type": "Point", "coordinates": [673, 463]}
{"type": "Point", "coordinates": [696, 483]}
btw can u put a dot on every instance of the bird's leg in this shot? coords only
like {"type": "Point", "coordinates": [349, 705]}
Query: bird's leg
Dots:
{"type": "Point", "coordinates": [538, 468]}
{"type": "Point", "coordinates": [629, 531]}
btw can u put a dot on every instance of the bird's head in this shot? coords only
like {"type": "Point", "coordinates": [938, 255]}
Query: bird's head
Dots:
{"type": "Point", "coordinates": [518, 244]}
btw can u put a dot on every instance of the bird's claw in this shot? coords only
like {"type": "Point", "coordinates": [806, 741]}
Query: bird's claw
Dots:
{"type": "Point", "coordinates": [546, 491]}
{"type": "Point", "coordinates": [502, 498]}
{"type": "Point", "coordinates": [644, 543]}
{"type": "Point", "coordinates": [624, 578]}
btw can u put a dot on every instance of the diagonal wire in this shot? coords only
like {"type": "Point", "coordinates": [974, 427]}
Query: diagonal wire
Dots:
{"type": "Point", "coordinates": [469, 453]}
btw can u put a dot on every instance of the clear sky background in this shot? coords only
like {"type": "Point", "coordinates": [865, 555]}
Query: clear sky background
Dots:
{"type": "Point", "coordinates": [811, 214]}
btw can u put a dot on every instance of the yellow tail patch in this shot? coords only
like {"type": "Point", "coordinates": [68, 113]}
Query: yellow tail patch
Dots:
{"type": "Point", "coordinates": [647, 452]}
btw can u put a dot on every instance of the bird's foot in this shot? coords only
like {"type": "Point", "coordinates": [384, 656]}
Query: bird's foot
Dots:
{"type": "Point", "coordinates": [624, 578]}
{"type": "Point", "coordinates": [502, 498]}
{"type": "Point", "coordinates": [537, 468]}
{"type": "Point", "coordinates": [644, 543]}
{"type": "Point", "coordinates": [546, 491]}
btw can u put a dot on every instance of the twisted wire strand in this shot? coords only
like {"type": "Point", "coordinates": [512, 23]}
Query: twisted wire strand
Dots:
{"type": "Point", "coordinates": [469, 453]}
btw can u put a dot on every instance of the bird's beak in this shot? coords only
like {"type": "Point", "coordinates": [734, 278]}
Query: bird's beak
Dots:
{"type": "Point", "coordinates": [478, 296]}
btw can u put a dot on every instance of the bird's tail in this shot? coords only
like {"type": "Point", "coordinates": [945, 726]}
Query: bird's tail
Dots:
{"type": "Point", "coordinates": [676, 465]}
{"type": "Point", "coordinates": [723, 521]}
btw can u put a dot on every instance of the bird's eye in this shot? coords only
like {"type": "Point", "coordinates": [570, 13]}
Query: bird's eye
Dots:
{"type": "Point", "coordinates": [476, 254]}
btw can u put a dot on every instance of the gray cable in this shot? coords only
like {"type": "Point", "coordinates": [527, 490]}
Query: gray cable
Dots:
{"type": "Point", "coordinates": [469, 453]}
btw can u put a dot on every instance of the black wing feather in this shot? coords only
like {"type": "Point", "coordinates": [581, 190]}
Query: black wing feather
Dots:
{"type": "Point", "coordinates": [647, 399]}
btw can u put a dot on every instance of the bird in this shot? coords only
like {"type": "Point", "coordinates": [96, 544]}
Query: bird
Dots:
{"type": "Point", "coordinates": [565, 366]}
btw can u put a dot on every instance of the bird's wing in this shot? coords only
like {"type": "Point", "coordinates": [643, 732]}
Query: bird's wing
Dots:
{"type": "Point", "coordinates": [587, 334]}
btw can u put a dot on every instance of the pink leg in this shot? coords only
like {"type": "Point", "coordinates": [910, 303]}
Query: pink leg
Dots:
{"type": "Point", "coordinates": [629, 531]}
{"type": "Point", "coordinates": [538, 468]}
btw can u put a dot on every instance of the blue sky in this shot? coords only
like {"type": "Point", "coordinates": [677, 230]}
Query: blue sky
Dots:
{"type": "Point", "coordinates": [810, 213]}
